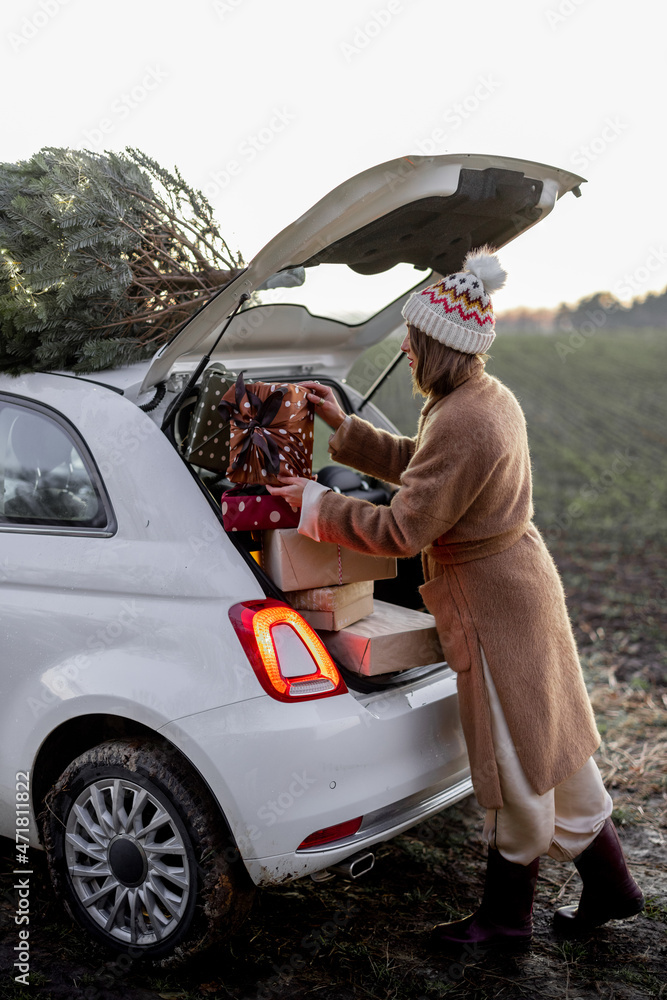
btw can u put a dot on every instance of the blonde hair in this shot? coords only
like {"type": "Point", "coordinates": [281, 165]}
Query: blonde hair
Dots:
{"type": "Point", "coordinates": [439, 369]}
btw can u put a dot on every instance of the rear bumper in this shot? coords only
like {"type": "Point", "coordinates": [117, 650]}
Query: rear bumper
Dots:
{"type": "Point", "coordinates": [376, 827]}
{"type": "Point", "coordinates": [282, 771]}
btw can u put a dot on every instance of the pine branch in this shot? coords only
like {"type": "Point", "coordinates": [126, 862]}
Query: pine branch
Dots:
{"type": "Point", "coordinates": [104, 256]}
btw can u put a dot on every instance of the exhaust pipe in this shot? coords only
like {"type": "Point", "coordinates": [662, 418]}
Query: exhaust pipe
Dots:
{"type": "Point", "coordinates": [351, 868]}
{"type": "Point", "coordinates": [355, 866]}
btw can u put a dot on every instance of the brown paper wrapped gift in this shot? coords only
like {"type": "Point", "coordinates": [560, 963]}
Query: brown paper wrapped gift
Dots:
{"type": "Point", "coordinates": [334, 607]}
{"type": "Point", "coordinates": [271, 431]}
{"type": "Point", "coordinates": [390, 639]}
{"type": "Point", "coordinates": [296, 562]}
{"type": "Point", "coordinates": [208, 435]}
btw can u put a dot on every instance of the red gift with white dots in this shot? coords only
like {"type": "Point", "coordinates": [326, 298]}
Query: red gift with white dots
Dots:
{"type": "Point", "coordinates": [243, 510]}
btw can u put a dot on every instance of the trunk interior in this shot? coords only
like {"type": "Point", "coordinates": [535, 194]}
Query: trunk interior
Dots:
{"type": "Point", "coordinates": [401, 590]}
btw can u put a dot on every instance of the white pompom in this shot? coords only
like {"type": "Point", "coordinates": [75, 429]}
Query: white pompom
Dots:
{"type": "Point", "coordinates": [485, 265]}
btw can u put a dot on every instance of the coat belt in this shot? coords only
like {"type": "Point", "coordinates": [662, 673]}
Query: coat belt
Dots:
{"type": "Point", "coordinates": [453, 553]}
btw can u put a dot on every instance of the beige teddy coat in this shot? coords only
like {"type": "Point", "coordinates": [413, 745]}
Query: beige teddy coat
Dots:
{"type": "Point", "coordinates": [465, 502]}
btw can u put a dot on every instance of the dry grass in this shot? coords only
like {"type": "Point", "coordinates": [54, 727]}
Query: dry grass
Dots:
{"type": "Point", "coordinates": [633, 754]}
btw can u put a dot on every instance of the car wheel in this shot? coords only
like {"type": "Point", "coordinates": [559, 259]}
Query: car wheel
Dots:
{"type": "Point", "coordinates": [139, 855]}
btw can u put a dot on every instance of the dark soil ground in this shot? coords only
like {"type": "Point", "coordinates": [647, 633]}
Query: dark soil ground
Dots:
{"type": "Point", "coordinates": [596, 429]}
{"type": "Point", "coordinates": [369, 939]}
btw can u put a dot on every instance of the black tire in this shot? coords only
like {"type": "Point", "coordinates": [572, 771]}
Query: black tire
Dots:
{"type": "Point", "coordinates": [139, 855]}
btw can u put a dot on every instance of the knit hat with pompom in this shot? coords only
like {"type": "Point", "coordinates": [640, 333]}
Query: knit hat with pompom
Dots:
{"type": "Point", "coordinates": [457, 310]}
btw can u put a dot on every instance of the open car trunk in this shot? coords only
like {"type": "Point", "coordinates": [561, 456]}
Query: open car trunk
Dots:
{"type": "Point", "coordinates": [397, 224]}
{"type": "Point", "coordinates": [400, 223]}
{"type": "Point", "coordinates": [400, 590]}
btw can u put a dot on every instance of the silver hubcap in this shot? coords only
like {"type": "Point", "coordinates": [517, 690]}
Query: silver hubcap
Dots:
{"type": "Point", "coordinates": [127, 862]}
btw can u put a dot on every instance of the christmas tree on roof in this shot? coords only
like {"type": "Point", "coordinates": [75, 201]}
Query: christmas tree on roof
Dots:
{"type": "Point", "coordinates": [103, 258]}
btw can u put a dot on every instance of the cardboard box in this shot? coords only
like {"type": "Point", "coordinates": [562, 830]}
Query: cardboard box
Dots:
{"type": "Point", "coordinates": [391, 639]}
{"type": "Point", "coordinates": [333, 608]}
{"type": "Point", "coordinates": [329, 598]}
{"type": "Point", "coordinates": [332, 621]}
{"type": "Point", "coordinates": [296, 562]}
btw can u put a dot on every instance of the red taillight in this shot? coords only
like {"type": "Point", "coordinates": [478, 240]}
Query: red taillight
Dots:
{"type": "Point", "coordinates": [331, 833]}
{"type": "Point", "coordinates": [311, 673]}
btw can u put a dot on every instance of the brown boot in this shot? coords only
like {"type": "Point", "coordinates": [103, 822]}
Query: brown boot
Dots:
{"type": "Point", "coordinates": [609, 893]}
{"type": "Point", "coordinates": [505, 916]}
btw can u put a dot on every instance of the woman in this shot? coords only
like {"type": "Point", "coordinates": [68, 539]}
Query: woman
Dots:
{"type": "Point", "coordinates": [465, 502]}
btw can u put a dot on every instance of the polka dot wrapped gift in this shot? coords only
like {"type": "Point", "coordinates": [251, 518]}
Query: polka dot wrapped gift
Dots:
{"type": "Point", "coordinates": [207, 443]}
{"type": "Point", "coordinates": [271, 431]}
{"type": "Point", "coordinates": [252, 508]}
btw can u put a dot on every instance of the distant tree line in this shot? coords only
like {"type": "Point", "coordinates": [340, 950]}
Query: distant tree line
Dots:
{"type": "Point", "coordinates": [602, 308]}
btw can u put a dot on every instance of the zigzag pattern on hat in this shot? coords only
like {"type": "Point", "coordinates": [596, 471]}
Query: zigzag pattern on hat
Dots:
{"type": "Point", "coordinates": [461, 303]}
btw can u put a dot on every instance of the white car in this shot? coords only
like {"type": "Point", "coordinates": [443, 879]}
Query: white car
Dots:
{"type": "Point", "coordinates": [141, 745]}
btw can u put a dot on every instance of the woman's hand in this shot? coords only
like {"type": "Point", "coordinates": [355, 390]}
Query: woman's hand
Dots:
{"type": "Point", "coordinates": [326, 404]}
{"type": "Point", "coordinates": [292, 491]}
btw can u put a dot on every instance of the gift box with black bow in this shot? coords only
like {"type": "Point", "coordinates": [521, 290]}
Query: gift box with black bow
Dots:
{"type": "Point", "coordinates": [271, 425]}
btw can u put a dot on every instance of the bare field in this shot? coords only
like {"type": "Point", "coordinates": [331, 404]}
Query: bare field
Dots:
{"type": "Point", "coordinates": [597, 429]}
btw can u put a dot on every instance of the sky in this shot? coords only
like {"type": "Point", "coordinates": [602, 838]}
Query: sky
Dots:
{"type": "Point", "coordinates": [266, 106]}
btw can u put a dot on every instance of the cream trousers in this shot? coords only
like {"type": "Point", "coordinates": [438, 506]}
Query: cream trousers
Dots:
{"type": "Point", "coordinates": [560, 823]}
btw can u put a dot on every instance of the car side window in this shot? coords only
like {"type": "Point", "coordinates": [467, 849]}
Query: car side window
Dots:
{"type": "Point", "coordinates": [321, 434]}
{"type": "Point", "coordinates": [44, 479]}
{"type": "Point", "coordinates": [394, 396]}
{"type": "Point", "coordinates": [323, 463]}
